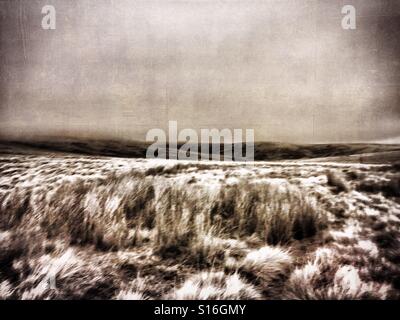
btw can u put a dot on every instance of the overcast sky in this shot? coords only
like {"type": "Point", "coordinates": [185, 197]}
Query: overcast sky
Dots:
{"type": "Point", "coordinates": [117, 68]}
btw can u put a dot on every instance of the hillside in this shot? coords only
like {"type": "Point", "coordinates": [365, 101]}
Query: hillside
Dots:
{"type": "Point", "coordinates": [264, 151]}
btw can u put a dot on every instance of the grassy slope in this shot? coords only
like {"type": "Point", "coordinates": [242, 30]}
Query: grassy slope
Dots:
{"type": "Point", "coordinates": [133, 228]}
{"type": "Point", "coordinates": [264, 151]}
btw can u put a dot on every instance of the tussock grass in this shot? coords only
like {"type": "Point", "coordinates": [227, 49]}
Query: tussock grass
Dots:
{"type": "Point", "coordinates": [122, 211]}
{"type": "Point", "coordinates": [277, 215]}
{"type": "Point", "coordinates": [185, 219]}
{"type": "Point", "coordinates": [73, 276]}
{"type": "Point", "coordinates": [215, 285]}
{"type": "Point", "coordinates": [266, 264]}
{"type": "Point", "coordinates": [390, 186]}
{"type": "Point", "coordinates": [14, 205]}
{"type": "Point", "coordinates": [28, 268]}
{"type": "Point", "coordinates": [184, 227]}
{"type": "Point", "coordinates": [6, 290]}
{"type": "Point", "coordinates": [98, 213]}
{"type": "Point", "coordinates": [338, 181]}
{"type": "Point", "coordinates": [323, 278]}
{"type": "Point", "coordinates": [135, 291]}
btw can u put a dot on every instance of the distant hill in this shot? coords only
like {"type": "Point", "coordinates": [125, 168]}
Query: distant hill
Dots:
{"type": "Point", "coordinates": [264, 151]}
{"type": "Point", "coordinates": [276, 151]}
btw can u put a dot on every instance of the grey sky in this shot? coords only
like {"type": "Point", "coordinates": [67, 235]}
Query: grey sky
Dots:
{"type": "Point", "coordinates": [286, 68]}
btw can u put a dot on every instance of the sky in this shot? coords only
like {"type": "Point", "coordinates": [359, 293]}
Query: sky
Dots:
{"type": "Point", "coordinates": [114, 69]}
